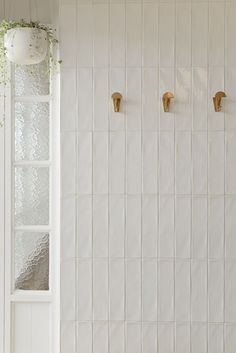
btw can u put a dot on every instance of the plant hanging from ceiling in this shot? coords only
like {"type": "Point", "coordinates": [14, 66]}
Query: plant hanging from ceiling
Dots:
{"type": "Point", "coordinates": [25, 43]}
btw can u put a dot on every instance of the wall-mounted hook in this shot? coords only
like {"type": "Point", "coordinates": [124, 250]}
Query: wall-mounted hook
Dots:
{"type": "Point", "coordinates": [116, 96]}
{"type": "Point", "coordinates": [217, 100]}
{"type": "Point", "coordinates": [166, 100]}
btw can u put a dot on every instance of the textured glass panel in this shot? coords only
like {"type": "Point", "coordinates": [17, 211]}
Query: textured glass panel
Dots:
{"type": "Point", "coordinates": [31, 261]}
{"type": "Point", "coordinates": [31, 131]}
{"type": "Point", "coordinates": [32, 80]}
{"type": "Point", "coordinates": [31, 196]}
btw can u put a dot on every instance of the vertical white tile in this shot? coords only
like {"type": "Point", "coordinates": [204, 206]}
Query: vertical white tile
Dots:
{"type": "Point", "coordinates": [85, 99]}
{"type": "Point", "coordinates": [230, 102]}
{"type": "Point", "coordinates": [216, 291]}
{"type": "Point", "coordinates": [182, 291]}
{"type": "Point", "coordinates": [216, 227]}
{"type": "Point", "coordinates": [150, 99]}
{"type": "Point", "coordinates": [117, 337]}
{"type": "Point", "coordinates": [100, 99]}
{"type": "Point", "coordinates": [117, 84]}
{"type": "Point", "coordinates": [166, 226]}
{"type": "Point", "coordinates": [182, 226]}
{"type": "Point", "coordinates": [14, 9]}
{"type": "Point", "coordinates": [68, 227]}
{"type": "Point", "coordinates": [117, 37]}
{"type": "Point", "coordinates": [84, 226]}
{"type": "Point", "coordinates": [68, 285]}
{"type": "Point", "coordinates": [166, 34]}
{"type": "Point", "coordinates": [100, 225]}
{"type": "Point", "coordinates": [199, 29]}
{"type": "Point", "coordinates": [67, 337]}
{"type": "Point", "coordinates": [198, 338]}
{"type": "Point", "coordinates": [116, 225]}
{"type": "Point", "coordinates": [199, 291]}
{"type": "Point", "coordinates": [230, 163]}
{"type": "Point", "coordinates": [42, 11]}
{"type": "Point", "coordinates": [199, 227]}
{"type": "Point", "coordinates": [183, 163]}
{"type": "Point", "coordinates": [215, 338]}
{"type": "Point", "coordinates": [150, 162]}
{"type": "Point", "coordinates": [2, 10]}
{"type": "Point", "coordinates": [84, 290]}
{"type": "Point", "coordinates": [167, 84]}
{"type": "Point", "coordinates": [149, 342]}
{"type": "Point", "coordinates": [216, 34]}
{"type": "Point", "coordinates": [230, 224]}
{"type": "Point", "coordinates": [133, 226]}
{"type": "Point", "coordinates": [230, 51]}
{"type": "Point", "coordinates": [100, 289]}
{"type": "Point", "coordinates": [84, 162]}
{"type": "Point", "coordinates": [183, 34]}
{"type": "Point", "coordinates": [67, 34]}
{"type": "Point", "coordinates": [149, 290]}
{"type": "Point", "coordinates": [133, 99]}
{"type": "Point", "coordinates": [85, 35]}
{"type": "Point", "coordinates": [182, 340]}
{"type": "Point", "coordinates": [149, 225]}
{"type": "Point", "coordinates": [133, 290]}
{"type": "Point", "coordinates": [166, 291]}
{"type": "Point", "coordinates": [116, 284]}
{"type": "Point", "coordinates": [199, 96]}
{"type": "Point", "coordinates": [182, 103]}
{"type": "Point", "coordinates": [230, 338]}
{"type": "Point", "coordinates": [166, 163]}
{"type": "Point", "coordinates": [100, 162]}
{"type": "Point", "coordinates": [68, 163]}
{"type": "Point", "coordinates": [216, 162]}
{"type": "Point", "coordinates": [133, 35]}
{"type": "Point", "coordinates": [215, 84]}
{"type": "Point", "coordinates": [100, 337]}
{"type": "Point", "coordinates": [117, 163]}
{"type": "Point", "coordinates": [166, 338]}
{"type": "Point", "coordinates": [84, 337]}
{"type": "Point", "coordinates": [150, 35]}
{"type": "Point", "coordinates": [134, 163]}
{"type": "Point", "coordinates": [199, 160]}
{"type": "Point", "coordinates": [68, 99]}
{"type": "Point", "coordinates": [100, 25]}
{"type": "Point", "coordinates": [230, 291]}
{"type": "Point", "coordinates": [133, 338]}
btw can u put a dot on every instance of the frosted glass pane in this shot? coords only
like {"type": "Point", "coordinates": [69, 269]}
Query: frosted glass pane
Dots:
{"type": "Point", "coordinates": [31, 80]}
{"type": "Point", "coordinates": [31, 131]}
{"type": "Point", "coordinates": [31, 196]}
{"type": "Point", "coordinates": [31, 261]}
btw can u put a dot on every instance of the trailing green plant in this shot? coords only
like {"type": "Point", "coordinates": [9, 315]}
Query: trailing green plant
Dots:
{"type": "Point", "coordinates": [6, 25]}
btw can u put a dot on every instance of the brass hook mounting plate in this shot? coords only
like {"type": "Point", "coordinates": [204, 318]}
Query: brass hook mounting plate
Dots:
{"type": "Point", "coordinates": [217, 100]}
{"type": "Point", "coordinates": [116, 96]}
{"type": "Point", "coordinates": [167, 96]}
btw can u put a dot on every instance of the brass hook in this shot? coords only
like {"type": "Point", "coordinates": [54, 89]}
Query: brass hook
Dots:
{"type": "Point", "coordinates": [116, 96]}
{"type": "Point", "coordinates": [166, 100]}
{"type": "Point", "coordinates": [217, 100]}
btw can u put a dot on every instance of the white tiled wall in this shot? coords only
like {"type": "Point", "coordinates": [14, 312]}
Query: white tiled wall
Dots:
{"type": "Point", "coordinates": [148, 254]}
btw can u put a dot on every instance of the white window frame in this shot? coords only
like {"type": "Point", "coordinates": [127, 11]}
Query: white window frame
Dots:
{"type": "Point", "coordinates": [7, 295]}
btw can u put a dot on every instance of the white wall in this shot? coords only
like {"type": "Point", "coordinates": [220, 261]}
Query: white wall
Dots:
{"type": "Point", "coordinates": [148, 198]}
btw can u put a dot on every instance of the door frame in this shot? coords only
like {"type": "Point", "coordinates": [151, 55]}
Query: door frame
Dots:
{"type": "Point", "coordinates": [7, 297]}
